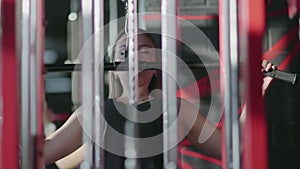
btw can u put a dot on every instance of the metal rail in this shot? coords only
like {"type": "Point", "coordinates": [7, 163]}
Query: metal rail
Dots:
{"type": "Point", "coordinates": [87, 87]}
{"type": "Point", "coordinates": [29, 35]}
{"type": "Point", "coordinates": [119, 66]}
{"type": "Point", "coordinates": [98, 48]}
{"type": "Point", "coordinates": [230, 85]}
{"type": "Point", "coordinates": [131, 28]}
{"type": "Point", "coordinates": [169, 32]}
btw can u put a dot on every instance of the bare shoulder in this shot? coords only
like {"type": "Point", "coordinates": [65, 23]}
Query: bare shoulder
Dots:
{"type": "Point", "coordinates": [78, 113]}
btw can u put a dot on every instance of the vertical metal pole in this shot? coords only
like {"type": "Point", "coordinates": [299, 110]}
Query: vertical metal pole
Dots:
{"type": "Point", "coordinates": [93, 86]}
{"type": "Point", "coordinates": [30, 49]}
{"type": "Point", "coordinates": [234, 84]}
{"type": "Point", "coordinates": [24, 47]}
{"type": "Point", "coordinates": [87, 78]}
{"type": "Point", "coordinates": [132, 49]}
{"type": "Point", "coordinates": [130, 128]}
{"type": "Point", "coordinates": [98, 81]}
{"type": "Point", "coordinates": [33, 112]}
{"type": "Point", "coordinates": [169, 78]}
{"type": "Point", "coordinates": [141, 17]}
{"type": "Point", "coordinates": [229, 60]}
{"type": "Point", "coordinates": [37, 43]}
{"type": "Point", "coordinates": [113, 26]}
{"type": "Point", "coordinates": [30, 57]}
{"type": "Point", "coordinates": [252, 15]}
{"type": "Point", "coordinates": [223, 50]}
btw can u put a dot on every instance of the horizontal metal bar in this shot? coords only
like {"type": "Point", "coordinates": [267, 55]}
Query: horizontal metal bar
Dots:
{"type": "Point", "coordinates": [120, 66]}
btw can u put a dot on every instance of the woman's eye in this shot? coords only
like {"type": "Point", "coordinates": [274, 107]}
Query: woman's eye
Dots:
{"type": "Point", "coordinates": [122, 53]}
{"type": "Point", "coordinates": [121, 56]}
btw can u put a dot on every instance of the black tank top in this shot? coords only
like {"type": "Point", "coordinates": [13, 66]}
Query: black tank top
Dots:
{"type": "Point", "coordinates": [114, 117]}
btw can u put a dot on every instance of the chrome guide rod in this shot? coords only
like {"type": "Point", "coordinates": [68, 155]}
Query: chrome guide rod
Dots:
{"type": "Point", "coordinates": [98, 18]}
{"type": "Point", "coordinates": [23, 32]}
{"type": "Point", "coordinates": [234, 84]}
{"type": "Point", "coordinates": [227, 102]}
{"type": "Point", "coordinates": [169, 79]}
{"type": "Point", "coordinates": [132, 41]}
{"type": "Point", "coordinates": [230, 61]}
{"type": "Point", "coordinates": [87, 78]}
{"type": "Point", "coordinates": [26, 45]}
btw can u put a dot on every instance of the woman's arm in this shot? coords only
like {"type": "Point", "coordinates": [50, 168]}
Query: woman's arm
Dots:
{"type": "Point", "coordinates": [73, 160]}
{"type": "Point", "coordinates": [194, 120]}
{"type": "Point", "coordinates": [198, 124]}
{"type": "Point", "coordinates": [65, 140]}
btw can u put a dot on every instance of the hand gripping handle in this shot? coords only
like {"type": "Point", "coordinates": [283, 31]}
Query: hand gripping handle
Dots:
{"type": "Point", "coordinates": [281, 75]}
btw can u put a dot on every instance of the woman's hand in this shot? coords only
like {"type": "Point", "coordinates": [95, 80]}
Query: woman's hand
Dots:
{"type": "Point", "coordinates": [267, 67]}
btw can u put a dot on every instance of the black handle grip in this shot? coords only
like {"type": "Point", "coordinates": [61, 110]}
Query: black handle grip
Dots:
{"type": "Point", "coordinates": [281, 75]}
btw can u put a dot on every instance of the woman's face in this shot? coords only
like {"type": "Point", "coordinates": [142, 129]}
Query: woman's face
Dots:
{"type": "Point", "coordinates": [146, 53]}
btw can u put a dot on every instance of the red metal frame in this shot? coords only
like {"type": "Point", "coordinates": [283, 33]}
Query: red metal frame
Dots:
{"type": "Point", "coordinates": [10, 88]}
{"type": "Point", "coordinates": [254, 132]}
{"type": "Point", "coordinates": [278, 12]}
{"type": "Point", "coordinates": [287, 60]}
{"type": "Point", "coordinates": [221, 53]}
{"type": "Point", "coordinates": [10, 79]}
{"type": "Point", "coordinates": [39, 149]}
{"type": "Point", "coordinates": [200, 156]}
{"type": "Point", "coordinates": [281, 44]}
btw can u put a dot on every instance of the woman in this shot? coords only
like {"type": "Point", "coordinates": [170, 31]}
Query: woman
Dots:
{"type": "Point", "coordinates": [68, 138]}
{"type": "Point", "coordinates": [118, 108]}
